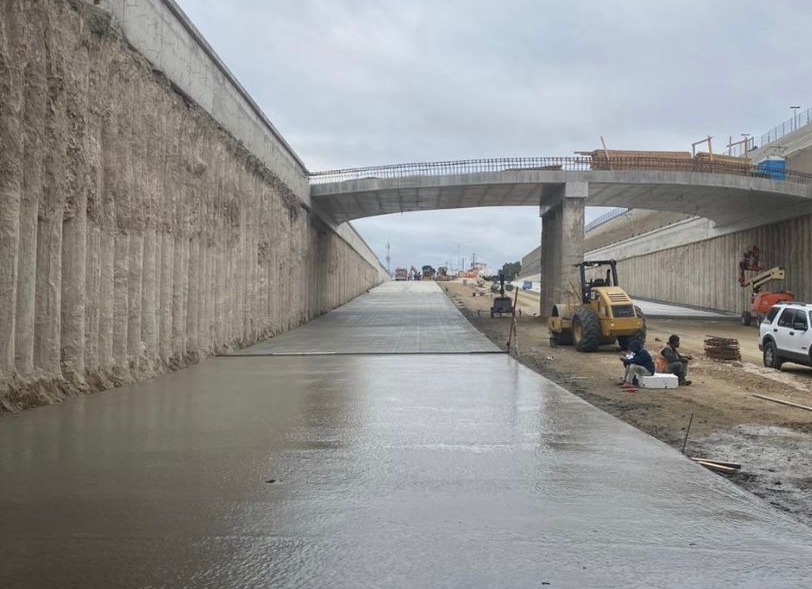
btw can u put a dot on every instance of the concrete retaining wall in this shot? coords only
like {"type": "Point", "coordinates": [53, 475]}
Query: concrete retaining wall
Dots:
{"type": "Point", "coordinates": [705, 272]}
{"type": "Point", "coordinates": [162, 33]}
{"type": "Point", "coordinates": [630, 224]}
{"type": "Point", "coordinates": [136, 233]}
{"type": "Point", "coordinates": [531, 263]}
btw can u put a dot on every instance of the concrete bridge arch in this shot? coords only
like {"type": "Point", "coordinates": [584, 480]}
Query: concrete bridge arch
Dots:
{"type": "Point", "coordinates": [724, 192]}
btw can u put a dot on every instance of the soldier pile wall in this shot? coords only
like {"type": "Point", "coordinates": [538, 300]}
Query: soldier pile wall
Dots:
{"type": "Point", "coordinates": [136, 234]}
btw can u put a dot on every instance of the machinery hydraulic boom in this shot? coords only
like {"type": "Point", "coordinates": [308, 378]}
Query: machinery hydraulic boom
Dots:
{"type": "Point", "coordinates": [760, 302]}
{"type": "Point", "coordinates": [756, 282]}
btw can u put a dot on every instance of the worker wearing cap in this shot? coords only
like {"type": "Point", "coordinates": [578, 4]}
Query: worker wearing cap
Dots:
{"type": "Point", "coordinates": [676, 362]}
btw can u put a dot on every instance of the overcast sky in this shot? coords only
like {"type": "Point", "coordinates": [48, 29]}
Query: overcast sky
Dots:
{"type": "Point", "coordinates": [357, 83]}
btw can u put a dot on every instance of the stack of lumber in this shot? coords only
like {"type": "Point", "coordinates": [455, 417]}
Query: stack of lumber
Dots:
{"type": "Point", "coordinates": [621, 159]}
{"type": "Point", "coordinates": [721, 164]}
{"type": "Point", "coordinates": [722, 348]}
{"type": "Point", "coordinates": [667, 161]}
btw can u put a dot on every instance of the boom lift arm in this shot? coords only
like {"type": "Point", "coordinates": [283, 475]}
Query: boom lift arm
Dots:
{"type": "Point", "coordinates": [760, 302]}
{"type": "Point", "coordinates": [756, 282]}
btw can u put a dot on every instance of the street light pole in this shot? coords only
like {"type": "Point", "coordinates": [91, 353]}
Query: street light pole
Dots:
{"type": "Point", "coordinates": [795, 117]}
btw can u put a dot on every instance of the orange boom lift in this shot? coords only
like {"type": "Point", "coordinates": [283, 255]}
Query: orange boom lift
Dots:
{"type": "Point", "coordinates": [760, 302]}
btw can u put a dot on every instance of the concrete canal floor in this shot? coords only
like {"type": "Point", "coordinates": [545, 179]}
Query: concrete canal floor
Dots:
{"type": "Point", "coordinates": [370, 470]}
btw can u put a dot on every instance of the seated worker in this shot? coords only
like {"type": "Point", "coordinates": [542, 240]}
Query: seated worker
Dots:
{"type": "Point", "coordinates": [640, 364]}
{"type": "Point", "coordinates": [676, 362]}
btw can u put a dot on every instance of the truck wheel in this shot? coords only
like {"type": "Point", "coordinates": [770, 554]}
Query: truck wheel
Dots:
{"type": "Point", "coordinates": [747, 318]}
{"type": "Point", "coordinates": [641, 334]}
{"type": "Point", "coordinates": [771, 357]}
{"type": "Point", "coordinates": [586, 330]}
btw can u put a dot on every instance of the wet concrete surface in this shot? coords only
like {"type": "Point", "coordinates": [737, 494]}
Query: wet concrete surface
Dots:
{"type": "Point", "coordinates": [396, 317]}
{"type": "Point", "coordinates": [431, 470]}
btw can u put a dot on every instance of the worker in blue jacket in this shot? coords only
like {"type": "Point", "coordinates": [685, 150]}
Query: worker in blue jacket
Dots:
{"type": "Point", "coordinates": [639, 364]}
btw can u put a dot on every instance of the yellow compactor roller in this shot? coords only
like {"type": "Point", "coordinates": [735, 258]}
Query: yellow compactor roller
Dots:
{"type": "Point", "coordinates": [605, 314]}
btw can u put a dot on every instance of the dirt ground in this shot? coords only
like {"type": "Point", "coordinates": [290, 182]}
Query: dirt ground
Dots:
{"type": "Point", "coordinates": [772, 442]}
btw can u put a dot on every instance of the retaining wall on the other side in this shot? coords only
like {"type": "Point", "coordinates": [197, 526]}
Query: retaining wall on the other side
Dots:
{"type": "Point", "coordinates": [704, 273]}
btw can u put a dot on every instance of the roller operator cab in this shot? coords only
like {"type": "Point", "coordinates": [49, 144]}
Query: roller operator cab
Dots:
{"type": "Point", "coordinates": [604, 315]}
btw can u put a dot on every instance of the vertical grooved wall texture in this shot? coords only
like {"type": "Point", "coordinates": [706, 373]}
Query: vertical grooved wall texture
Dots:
{"type": "Point", "coordinates": [705, 273]}
{"type": "Point", "coordinates": [136, 235]}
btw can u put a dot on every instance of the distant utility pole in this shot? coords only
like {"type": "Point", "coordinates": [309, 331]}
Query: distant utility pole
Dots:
{"type": "Point", "coordinates": [388, 269]}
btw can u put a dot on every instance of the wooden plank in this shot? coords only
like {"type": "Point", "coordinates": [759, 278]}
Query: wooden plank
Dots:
{"type": "Point", "coordinates": [722, 462]}
{"type": "Point", "coordinates": [788, 403]}
{"type": "Point", "coordinates": [717, 467]}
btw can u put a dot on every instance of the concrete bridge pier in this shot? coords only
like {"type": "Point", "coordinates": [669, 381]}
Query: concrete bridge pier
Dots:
{"type": "Point", "coordinates": [562, 244]}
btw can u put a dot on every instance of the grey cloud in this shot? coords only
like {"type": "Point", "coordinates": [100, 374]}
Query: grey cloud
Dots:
{"type": "Point", "coordinates": [359, 83]}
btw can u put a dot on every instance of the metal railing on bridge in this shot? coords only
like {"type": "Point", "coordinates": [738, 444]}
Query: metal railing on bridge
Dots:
{"type": "Point", "coordinates": [702, 163]}
{"type": "Point", "coordinates": [796, 122]}
{"type": "Point", "coordinates": [604, 218]}
{"type": "Point", "coordinates": [573, 164]}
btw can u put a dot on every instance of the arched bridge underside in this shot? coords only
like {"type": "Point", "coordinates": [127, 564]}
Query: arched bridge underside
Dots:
{"type": "Point", "coordinates": [722, 197]}
{"type": "Point", "coordinates": [725, 192]}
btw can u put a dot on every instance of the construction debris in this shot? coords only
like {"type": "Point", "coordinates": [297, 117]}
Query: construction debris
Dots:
{"type": "Point", "coordinates": [722, 348]}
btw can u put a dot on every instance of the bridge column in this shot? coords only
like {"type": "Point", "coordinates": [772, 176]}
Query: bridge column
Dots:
{"type": "Point", "coordinates": [562, 246]}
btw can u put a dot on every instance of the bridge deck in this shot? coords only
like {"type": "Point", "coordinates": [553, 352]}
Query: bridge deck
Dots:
{"type": "Point", "coordinates": [720, 195]}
